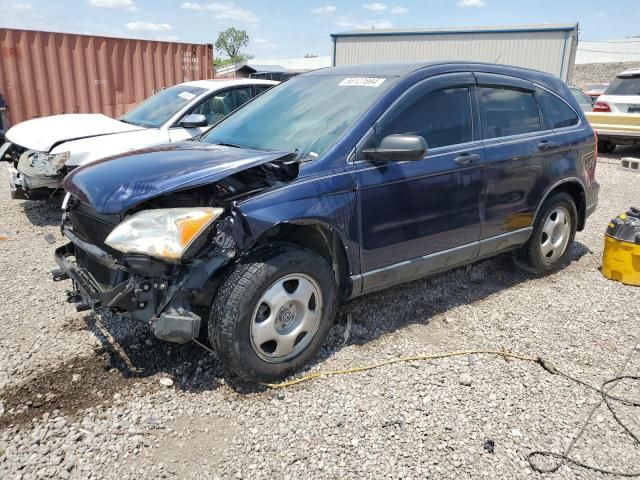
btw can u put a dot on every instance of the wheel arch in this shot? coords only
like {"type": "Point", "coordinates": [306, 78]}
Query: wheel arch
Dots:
{"type": "Point", "coordinates": [320, 238]}
{"type": "Point", "coordinates": [575, 188]}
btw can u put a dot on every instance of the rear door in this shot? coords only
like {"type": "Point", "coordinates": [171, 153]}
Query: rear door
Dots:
{"type": "Point", "coordinates": [515, 145]}
{"type": "Point", "coordinates": [413, 209]}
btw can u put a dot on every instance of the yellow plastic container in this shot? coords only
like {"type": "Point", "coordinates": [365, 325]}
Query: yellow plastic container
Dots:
{"type": "Point", "coordinates": [621, 257]}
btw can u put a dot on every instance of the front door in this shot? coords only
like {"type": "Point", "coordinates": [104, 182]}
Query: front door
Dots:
{"type": "Point", "coordinates": [423, 216]}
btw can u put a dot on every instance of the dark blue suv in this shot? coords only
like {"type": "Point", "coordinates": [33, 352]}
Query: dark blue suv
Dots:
{"type": "Point", "coordinates": [332, 185]}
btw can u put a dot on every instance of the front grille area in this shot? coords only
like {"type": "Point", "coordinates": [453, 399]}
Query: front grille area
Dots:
{"type": "Point", "coordinates": [105, 277]}
{"type": "Point", "coordinates": [95, 230]}
{"type": "Point", "coordinates": [90, 229]}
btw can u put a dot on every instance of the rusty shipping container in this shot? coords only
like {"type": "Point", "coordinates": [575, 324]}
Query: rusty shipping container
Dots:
{"type": "Point", "coordinates": [46, 73]}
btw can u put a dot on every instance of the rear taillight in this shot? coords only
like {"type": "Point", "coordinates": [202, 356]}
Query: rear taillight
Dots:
{"type": "Point", "coordinates": [601, 107]}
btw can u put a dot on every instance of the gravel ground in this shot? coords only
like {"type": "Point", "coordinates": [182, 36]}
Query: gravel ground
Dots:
{"type": "Point", "coordinates": [81, 395]}
{"type": "Point", "coordinates": [599, 72]}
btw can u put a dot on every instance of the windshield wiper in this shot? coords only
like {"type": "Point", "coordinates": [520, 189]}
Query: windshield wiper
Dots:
{"type": "Point", "coordinates": [226, 144]}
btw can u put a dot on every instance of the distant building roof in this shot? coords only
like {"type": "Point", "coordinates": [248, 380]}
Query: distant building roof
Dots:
{"type": "Point", "coordinates": [297, 65]}
{"type": "Point", "coordinates": [232, 68]}
{"type": "Point", "coordinates": [544, 27]}
{"type": "Point", "coordinates": [268, 68]}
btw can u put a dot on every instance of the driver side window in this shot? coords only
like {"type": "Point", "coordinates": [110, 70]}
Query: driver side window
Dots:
{"type": "Point", "coordinates": [442, 118]}
{"type": "Point", "coordinates": [218, 106]}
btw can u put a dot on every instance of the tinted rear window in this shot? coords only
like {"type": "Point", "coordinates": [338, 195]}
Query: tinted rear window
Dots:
{"type": "Point", "coordinates": [624, 86]}
{"type": "Point", "coordinates": [509, 111]}
{"type": "Point", "coordinates": [556, 112]}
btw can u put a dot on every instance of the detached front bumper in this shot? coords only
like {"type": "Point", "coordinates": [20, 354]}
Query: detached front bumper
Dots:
{"type": "Point", "coordinates": [25, 187]}
{"type": "Point", "coordinates": [164, 305]}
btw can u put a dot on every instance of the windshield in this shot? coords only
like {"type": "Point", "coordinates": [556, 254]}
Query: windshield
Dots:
{"type": "Point", "coordinates": [624, 86]}
{"type": "Point", "coordinates": [306, 114]}
{"type": "Point", "coordinates": [158, 109]}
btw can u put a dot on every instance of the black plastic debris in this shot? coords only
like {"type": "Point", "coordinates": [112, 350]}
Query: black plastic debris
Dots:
{"type": "Point", "coordinates": [490, 446]}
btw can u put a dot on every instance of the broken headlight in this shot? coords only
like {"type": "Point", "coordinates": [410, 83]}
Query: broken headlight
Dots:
{"type": "Point", "coordinates": [48, 163]}
{"type": "Point", "coordinates": [164, 233]}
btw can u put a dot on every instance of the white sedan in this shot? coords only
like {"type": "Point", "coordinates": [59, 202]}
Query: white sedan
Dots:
{"type": "Point", "coordinates": [43, 150]}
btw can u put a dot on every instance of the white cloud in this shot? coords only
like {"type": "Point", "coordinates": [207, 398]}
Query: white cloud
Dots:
{"type": "Point", "coordinates": [262, 43]}
{"type": "Point", "coordinates": [399, 10]}
{"type": "Point", "coordinates": [120, 4]}
{"type": "Point", "coordinates": [472, 3]}
{"type": "Point", "coordinates": [344, 22]}
{"type": "Point", "coordinates": [323, 10]}
{"type": "Point", "coordinates": [375, 7]}
{"type": "Point", "coordinates": [347, 22]}
{"type": "Point", "coordinates": [223, 11]}
{"type": "Point", "coordinates": [147, 26]}
{"type": "Point", "coordinates": [600, 15]}
{"type": "Point", "coordinates": [17, 7]}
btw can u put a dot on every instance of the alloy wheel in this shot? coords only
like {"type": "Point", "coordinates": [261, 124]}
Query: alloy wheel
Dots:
{"type": "Point", "coordinates": [556, 232]}
{"type": "Point", "coordinates": [286, 318]}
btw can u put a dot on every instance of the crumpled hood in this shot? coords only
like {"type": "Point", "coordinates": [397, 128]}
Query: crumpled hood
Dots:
{"type": "Point", "coordinates": [115, 184]}
{"type": "Point", "coordinates": [42, 134]}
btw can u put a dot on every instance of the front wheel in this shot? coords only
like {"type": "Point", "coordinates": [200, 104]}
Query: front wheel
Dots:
{"type": "Point", "coordinates": [273, 311]}
{"type": "Point", "coordinates": [553, 233]}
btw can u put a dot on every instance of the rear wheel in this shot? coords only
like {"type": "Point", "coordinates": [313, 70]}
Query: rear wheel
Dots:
{"type": "Point", "coordinates": [553, 234]}
{"type": "Point", "coordinates": [273, 311]}
{"type": "Point", "coordinates": [605, 146]}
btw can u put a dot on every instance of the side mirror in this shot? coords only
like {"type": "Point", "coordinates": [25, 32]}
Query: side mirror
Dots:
{"type": "Point", "coordinates": [194, 120]}
{"type": "Point", "coordinates": [398, 148]}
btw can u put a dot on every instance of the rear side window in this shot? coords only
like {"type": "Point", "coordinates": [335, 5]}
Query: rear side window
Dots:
{"type": "Point", "coordinates": [442, 118]}
{"type": "Point", "coordinates": [624, 86]}
{"type": "Point", "coordinates": [508, 111]}
{"type": "Point", "coordinates": [556, 111]}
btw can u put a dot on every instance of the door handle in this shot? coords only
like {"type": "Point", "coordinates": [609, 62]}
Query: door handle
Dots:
{"type": "Point", "coordinates": [545, 145]}
{"type": "Point", "coordinates": [466, 158]}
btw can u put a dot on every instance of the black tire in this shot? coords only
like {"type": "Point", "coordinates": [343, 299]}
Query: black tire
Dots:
{"type": "Point", "coordinates": [530, 256]}
{"type": "Point", "coordinates": [236, 301]}
{"type": "Point", "coordinates": [605, 146]}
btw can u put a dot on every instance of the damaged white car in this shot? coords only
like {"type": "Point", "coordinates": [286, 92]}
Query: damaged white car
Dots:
{"type": "Point", "coordinates": [44, 150]}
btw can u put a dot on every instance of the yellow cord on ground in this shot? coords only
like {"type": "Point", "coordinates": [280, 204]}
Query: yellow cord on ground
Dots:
{"type": "Point", "coordinates": [330, 373]}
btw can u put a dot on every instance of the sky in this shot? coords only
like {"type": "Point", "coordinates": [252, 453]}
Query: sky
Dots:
{"type": "Point", "coordinates": [293, 28]}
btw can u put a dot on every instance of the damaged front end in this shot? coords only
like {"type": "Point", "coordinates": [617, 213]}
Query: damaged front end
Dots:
{"type": "Point", "coordinates": [163, 294]}
{"type": "Point", "coordinates": [158, 259]}
{"type": "Point", "coordinates": [35, 175]}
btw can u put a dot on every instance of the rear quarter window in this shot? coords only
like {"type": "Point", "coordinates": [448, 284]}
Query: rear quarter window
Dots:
{"type": "Point", "coordinates": [508, 111]}
{"type": "Point", "coordinates": [624, 86]}
{"type": "Point", "coordinates": [557, 113]}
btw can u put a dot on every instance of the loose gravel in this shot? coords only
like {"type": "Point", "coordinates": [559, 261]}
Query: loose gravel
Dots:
{"type": "Point", "coordinates": [599, 72]}
{"type": "Point", "coordinates": [92, 396]}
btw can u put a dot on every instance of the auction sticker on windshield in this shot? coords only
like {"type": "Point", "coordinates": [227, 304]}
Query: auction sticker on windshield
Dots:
{"type": "Point", "coordinates": [361, 82]}
{"type": "Point", "coordinates": [187, 95]}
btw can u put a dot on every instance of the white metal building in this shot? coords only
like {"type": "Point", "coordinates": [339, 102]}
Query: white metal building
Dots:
{"type": "Point", "coordinates": [549, 47]}
{"type": "Point", "coordinates": [609, 51]}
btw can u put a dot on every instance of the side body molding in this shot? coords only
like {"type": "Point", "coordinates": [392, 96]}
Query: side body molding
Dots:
{"type": "Point", "coordinates": [416, 268]}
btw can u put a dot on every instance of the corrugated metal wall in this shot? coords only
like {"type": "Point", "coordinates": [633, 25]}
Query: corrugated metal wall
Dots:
{"type": "Point", "coordinates": [44, 73]}
{"type": "Point", "coordinates": [548, 51]}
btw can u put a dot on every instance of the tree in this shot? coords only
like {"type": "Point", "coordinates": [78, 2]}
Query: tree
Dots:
{"type": "Point", "coordinates": [231, 42]}
{"type": "Point", "coordinates": [310, 55]}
